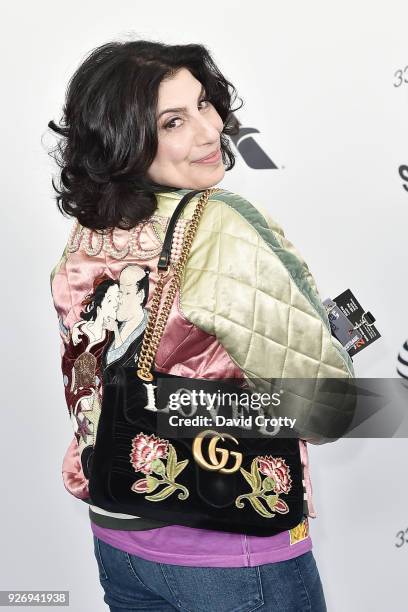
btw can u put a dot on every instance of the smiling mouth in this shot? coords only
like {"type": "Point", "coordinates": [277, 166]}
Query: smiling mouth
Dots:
{"type": "Point", "coordinates": [214, 156]}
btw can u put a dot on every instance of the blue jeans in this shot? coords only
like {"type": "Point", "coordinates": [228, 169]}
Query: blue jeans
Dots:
{"type": "Point", "coordinates": [132, 583]}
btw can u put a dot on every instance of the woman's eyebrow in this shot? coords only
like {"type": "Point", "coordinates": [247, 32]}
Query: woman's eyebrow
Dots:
{"type": "Point", "coordinates": [181, 108]}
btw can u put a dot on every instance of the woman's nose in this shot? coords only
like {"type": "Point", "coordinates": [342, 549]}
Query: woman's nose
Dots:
{"type": "Point", "coordinates": [207, 131]}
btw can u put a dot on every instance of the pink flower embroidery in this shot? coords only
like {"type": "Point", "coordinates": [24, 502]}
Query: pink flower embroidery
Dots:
{"type": "Point", "coordinates": [276, 468]}
{"type": "Point", "coordinates": [145, 450]}
{"type": "Point", "coordinates": [140, 486]}
{"type": "Point", "coordinates": [281, 506]}
{"type": "Point", "coordinates": [152, 454]}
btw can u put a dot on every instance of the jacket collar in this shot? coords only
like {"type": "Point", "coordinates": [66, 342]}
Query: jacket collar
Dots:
{"type": "Point", "coordinates": [176, 192]}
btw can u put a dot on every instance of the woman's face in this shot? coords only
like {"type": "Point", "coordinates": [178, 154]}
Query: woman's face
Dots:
{"type": "Point", "coordinates": [110, 302]}
{"type": "Point", "coordinates": [184, 136]}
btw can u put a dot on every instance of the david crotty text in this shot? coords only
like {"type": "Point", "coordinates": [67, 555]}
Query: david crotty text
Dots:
{"type": "Point", "coordinates": [205, 421]}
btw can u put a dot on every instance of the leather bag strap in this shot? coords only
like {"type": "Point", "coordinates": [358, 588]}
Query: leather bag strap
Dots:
{"type": "Point", "coordinates": [156, 322]}
{"type": "Point", "coordinates": [164, 259]}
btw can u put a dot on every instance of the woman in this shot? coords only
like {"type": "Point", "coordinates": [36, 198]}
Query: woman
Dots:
{"type": "Point", "coordinates": [144, 123]}
{"type": "Point", "coordinates": [84, 345]}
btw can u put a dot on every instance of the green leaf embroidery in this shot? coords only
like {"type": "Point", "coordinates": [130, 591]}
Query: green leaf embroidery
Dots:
{"type": "Point", "coordinates": [248, 477]}
{"type": "Point", "coordinates": [255, 474]}
{"type": "Point", "coordinates": [152, 483]}
{"type": "Point", "coordinates": [161, 494]}
{"type": "Point", "coordinates": [260, 508]}
{"type": "Point", "coordinates": [171, 463]}
{"type": "Point", "coordinates": [271, 500]}
{"type": "Point", "coordinates": [180, 467]}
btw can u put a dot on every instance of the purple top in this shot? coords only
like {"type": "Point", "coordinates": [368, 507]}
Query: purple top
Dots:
{"type": "Point", "coordinates": [180, 545]}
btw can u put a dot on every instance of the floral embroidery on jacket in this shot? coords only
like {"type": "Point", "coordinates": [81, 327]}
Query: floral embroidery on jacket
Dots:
{"type": "Point", "coordinates": [277, 480]}
{"type": "Point", "coordinates": [147, 456]}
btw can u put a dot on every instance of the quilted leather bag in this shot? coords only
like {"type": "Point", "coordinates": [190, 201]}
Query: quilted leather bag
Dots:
{"type": "Point", "coordinates": [211, 479]}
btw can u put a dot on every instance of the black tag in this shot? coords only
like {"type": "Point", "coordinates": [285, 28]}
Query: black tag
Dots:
{"type": "Point", "coordinates": [342, 328]}
{"type": "Point", "coordinates": [361, 332]}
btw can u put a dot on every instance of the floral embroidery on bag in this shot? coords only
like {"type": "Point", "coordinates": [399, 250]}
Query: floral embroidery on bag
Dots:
{"type": "Point", "coordinates": [277, 480]}
{"type": "Point", "coordinates": [147, 456]}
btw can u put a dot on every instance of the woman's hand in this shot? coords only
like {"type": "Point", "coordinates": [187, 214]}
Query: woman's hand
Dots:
{"type": "Point", "coordinates": [111, 324]}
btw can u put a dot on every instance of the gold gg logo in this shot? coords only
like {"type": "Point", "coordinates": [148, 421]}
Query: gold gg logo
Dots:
{"type": "Point", "coordinates": [216, 463]}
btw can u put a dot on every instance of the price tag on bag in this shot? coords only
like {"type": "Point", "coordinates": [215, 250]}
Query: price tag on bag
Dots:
{"type": "Point", "coordinates": [350, 323]}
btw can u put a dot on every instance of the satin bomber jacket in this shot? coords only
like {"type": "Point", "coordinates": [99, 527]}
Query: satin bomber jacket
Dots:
{"type": "Point", "coordinates": [247, 306]}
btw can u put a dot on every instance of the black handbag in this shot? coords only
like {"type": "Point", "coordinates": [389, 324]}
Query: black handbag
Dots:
{"type": "Point", "coordinates": [203, 476]}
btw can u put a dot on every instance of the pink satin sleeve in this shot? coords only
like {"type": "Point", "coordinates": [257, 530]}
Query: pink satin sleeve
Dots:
{"type": "Point", "coordinates": [304, 456]}
{"type": "Point", "coordinates": [72, 474]}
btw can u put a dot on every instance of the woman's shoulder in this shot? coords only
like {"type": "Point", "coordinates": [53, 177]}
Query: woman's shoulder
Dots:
{"type": "Point", "coordinates": [247, 211]}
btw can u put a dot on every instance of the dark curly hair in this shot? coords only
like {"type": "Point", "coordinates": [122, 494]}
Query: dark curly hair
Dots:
{"type": "Point", "coordinates": [109, 129]}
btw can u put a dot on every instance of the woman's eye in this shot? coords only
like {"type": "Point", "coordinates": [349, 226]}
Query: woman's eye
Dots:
{"type": "Point", "coordinates": [204, 100]}
{"type": "Point", "coordinates": [170, 125]}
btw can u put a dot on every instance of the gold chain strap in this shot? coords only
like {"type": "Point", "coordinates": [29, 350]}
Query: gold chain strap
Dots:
{"type": "Point", "coordinates": [155, 325]}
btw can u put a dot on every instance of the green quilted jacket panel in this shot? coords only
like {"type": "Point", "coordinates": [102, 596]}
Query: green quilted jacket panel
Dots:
{"type": "Point", "coordinates": [245, 283]}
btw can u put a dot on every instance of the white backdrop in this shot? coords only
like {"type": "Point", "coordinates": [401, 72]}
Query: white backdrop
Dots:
{"type": "Point", "coordinates": [327, 105]}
